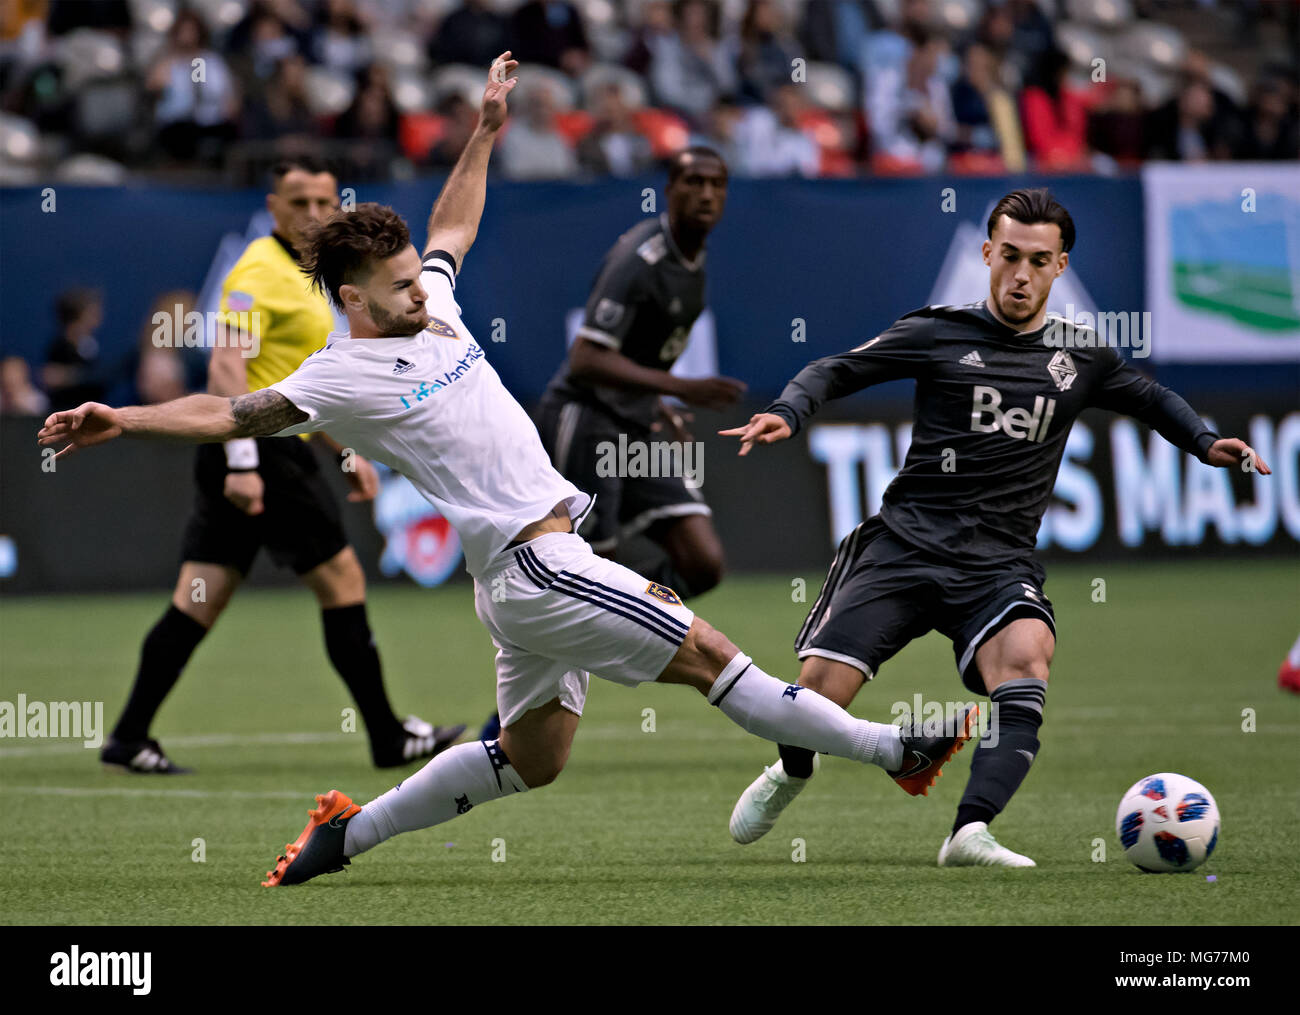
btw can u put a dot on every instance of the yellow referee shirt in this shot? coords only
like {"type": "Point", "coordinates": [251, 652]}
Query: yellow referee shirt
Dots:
{"type": "Point", "coordinates": [267, 295]}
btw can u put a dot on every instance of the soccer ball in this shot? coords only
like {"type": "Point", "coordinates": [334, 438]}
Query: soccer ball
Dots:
{"type": "Point", "coordinates": [1167, 823]}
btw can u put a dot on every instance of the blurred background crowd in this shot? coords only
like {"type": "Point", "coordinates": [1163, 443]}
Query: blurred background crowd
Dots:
{"type": "Point", "coordinates": [102, 90]}
{"type": "Point", "coordinates": [216, 91]}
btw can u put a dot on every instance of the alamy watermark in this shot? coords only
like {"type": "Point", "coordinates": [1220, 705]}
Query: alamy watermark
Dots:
{"type": "Point", "coordinates": [182, 329]}
{"type": "Point", "coordinates": [55, 720]}
{"type": "Point", "coordinates": [651, 460]}
{"type": "Point", "coordinates": [941, 717]}
{"type": "Point", "coordinates": [1108, 330]}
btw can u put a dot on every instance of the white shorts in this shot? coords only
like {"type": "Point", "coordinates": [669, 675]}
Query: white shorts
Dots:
{"type": "Point", "coordinates": [557, 612]}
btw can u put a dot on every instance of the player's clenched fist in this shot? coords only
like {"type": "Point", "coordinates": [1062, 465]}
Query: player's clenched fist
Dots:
{"type": "Point", "coordinates": [88, 424]}
{"type": "Point", "coordinates": [765, 428]}
{"type": "Point", "coordinates": [245, 490]}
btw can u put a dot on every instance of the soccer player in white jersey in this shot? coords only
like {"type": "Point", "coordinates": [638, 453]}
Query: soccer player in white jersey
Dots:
{"type": "Point", "coordinates": [408, 386]}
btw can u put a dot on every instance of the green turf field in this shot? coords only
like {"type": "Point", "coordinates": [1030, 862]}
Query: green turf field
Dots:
{"type": "Point", "coordinates": [635, 830]}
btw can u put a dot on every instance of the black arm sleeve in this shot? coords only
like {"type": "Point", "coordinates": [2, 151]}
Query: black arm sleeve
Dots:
{"type": "Point", "coordinates": [1124, 389]}
{"type": "Point", "coordinates": [901, 351]}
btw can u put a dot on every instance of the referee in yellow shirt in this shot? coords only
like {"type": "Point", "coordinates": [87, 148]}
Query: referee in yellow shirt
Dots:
{"type": "Point", "coordinates": [270, 492]}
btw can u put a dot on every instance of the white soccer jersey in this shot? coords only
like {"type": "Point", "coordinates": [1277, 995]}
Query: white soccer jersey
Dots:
{"type": "Point", "coordinates": [431, 407]}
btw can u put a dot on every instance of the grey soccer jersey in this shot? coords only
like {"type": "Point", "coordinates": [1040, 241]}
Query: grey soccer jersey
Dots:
{"type": "Point", "coordinates": [644, 302]}
{"type": "Point", "coordinates": [992, 412]}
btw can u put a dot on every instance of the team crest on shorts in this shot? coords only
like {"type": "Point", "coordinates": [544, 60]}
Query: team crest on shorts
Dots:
{"type": "Point", "coordinates": [439, 327]}
{"type": "Point", "coordinates": [663, 592]}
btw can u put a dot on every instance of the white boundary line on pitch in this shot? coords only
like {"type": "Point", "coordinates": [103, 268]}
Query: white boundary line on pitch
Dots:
{"type": "Point", "coordinates": [111, 791]}
{"type": "Point", "coordinates": [593, 731]}
{"type": "Point", "coordinates": [194, 740]}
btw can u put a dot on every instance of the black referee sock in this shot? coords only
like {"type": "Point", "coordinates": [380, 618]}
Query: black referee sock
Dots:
{"type": "Point", "coordinates": [797, 761]}
{"type": "Point", "coordinates": [351, 649]}
{"type": "Point", "coordinates": [166, 649]}
{"type": "Point", "coordinates": [997, 771]}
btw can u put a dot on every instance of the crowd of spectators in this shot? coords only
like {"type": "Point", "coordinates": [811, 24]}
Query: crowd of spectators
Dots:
{"type": "Point", "coordinates": [782, 87]}
{"type": "Point", "coordinates": [75, 368]}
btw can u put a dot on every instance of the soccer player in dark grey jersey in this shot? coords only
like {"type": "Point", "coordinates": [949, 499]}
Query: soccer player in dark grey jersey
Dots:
{"type": "Point", "coordinates": [646, 298]}
{"type": "Point", "coordinates": [998, 385]}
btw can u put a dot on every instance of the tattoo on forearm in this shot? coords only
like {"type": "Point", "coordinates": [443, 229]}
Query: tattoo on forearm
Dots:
{"type": "Point", "coordinates": [260, 413]}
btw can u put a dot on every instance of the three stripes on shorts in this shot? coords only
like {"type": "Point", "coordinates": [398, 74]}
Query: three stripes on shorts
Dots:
{"type": "Point", "coordinates": [606, 597]}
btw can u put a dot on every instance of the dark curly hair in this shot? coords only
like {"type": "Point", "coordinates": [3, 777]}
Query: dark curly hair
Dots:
{"type": "Point", "coordinates": [344, 248]}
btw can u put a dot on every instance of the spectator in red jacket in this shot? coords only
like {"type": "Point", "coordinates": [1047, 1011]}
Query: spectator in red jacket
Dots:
{"type": "Point", "coordinates": [1055, 117]}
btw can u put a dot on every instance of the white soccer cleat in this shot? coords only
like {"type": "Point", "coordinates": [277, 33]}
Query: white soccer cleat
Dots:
{"type": "Point", "coordinates": [973, 846]}
{"type": "Point", "coordinates": [763, 801]}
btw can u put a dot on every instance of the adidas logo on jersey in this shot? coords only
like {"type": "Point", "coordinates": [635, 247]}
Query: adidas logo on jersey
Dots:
{"type": "Point", "coordinates": [972, 359]}
{"type": "Point", "coordinates": [1020, 424]}
{"type": "Point", "coordinates": [402, 366]}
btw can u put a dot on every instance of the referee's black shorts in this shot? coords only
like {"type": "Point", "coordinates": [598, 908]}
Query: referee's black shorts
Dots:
{"type": "Point", "coordinates": [882, 592]}
{"type": "Point", "coordinates": [300, 525]}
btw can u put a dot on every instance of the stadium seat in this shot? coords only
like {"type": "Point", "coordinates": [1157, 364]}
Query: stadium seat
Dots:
{"type": "Point", "coordinates": [91, 170]}
{"type": "Point", "coordinates": [19, 140]}
{"type": "Point", "coordinates": [1083, 44]}
{"type": "Point", "coordinates": [667, 131]}
{"type": "Point", "coordinates": [418, 132]}
{"type": "Point", "coordinates": [630, 83]}
{"type": "Point", "coordinates": [220, 15]}
{"type": "Point", "coordinates": [604, 32]}
{"type": "Point", "coordinates": [955, 15]}
{"type": "Point", "coordinates": [146, 45]}
{"type": "Point", "coordinates": [1159, 45]}
{"type": "Point", "coordinates": [1228, 81]}
{"type": "Point", "coordinates": [155, 16]}
{"type": "Point", "coordinates": [412, 91]}
{"type": "Point", "coordinates": [106, 108]}
{"type": "Point", "coordinates": [399, 51]}
{"type": "Point", "coordinates": [562, 87]}
{"type": "Point", "coordinates": [884, 164]}
{"type": "Point", "coordinates": [1109, 14]}
{"type": "Point", "coordinates": [831, 87]}
{"type": "Point", "coordinates": [87, 54]}
{"type": "Point", "coordinates": [1157, 86]}
{"type": "Point", "coordinates": [458, 79]}
{"type": "Point", "coordinates": [573, 125]}
{"type": "Point", "coordinates": [975, 163]}
{"type": "Point", "coordinates": [329, 92]}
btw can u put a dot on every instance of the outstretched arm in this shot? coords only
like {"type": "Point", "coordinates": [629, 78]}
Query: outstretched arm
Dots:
{"type": "Point", "coordinates": [900, 351]}
{"type": "Point", "coordinates": [198, 419]}
{"type": "Point", "coordinates": [1125, 389]}
{"type": "Point", "coordinates": [453, 223]}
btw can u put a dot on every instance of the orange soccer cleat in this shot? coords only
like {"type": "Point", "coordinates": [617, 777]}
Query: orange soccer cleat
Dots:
{"type": "Point", "coordinates": [319, 849]}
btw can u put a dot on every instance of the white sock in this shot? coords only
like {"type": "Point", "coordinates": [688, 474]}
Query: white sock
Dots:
{"type": "Point", "coordinates": [794, 715]}
{"type": "Point", "coordinates": [448, 785]}
{"type": "Point", "coordinates": [1293, 657]}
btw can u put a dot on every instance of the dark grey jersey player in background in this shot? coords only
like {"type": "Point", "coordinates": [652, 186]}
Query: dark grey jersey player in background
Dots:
{"type": "Point", "coordinates": [645, 300]}
{"type": "Point", "coordinates": [998, 385]}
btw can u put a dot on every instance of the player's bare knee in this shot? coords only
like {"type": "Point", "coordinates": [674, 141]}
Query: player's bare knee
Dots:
{"type": "Point", "coordinates": [1021, 666]}
{"type": "Point", "coordinates": [540, 768]}
{"type": "Point", "coordinates": [702, 655]}
{"type": "Point", "coordinates": [339, 581]}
